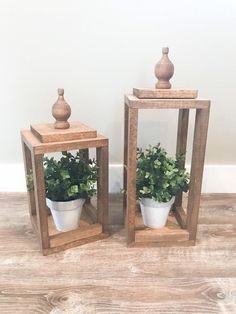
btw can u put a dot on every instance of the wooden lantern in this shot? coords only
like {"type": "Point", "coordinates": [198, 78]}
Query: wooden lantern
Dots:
{"type": "Point", "coordinates": [182, 227]}
{"type": "Point", "coordinates": [45, 138]}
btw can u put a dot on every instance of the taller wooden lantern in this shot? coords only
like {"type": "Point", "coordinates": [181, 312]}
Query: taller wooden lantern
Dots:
{"type": "Point", "coordinates": [181, 228]}
{"type": "Point", "coordinates": [46, 138]}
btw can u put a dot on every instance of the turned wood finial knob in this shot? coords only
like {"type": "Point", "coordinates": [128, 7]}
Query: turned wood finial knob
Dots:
{"type": "Point", "coordinates": [164, 70]}
{"type": "Point", "coordinates": [61, 111]}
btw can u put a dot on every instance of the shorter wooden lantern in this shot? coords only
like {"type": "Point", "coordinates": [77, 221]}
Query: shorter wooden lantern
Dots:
{"type": "Point", "coordinates": [181, 228]}
{"type": "Point", "coordinates": [45, 138]}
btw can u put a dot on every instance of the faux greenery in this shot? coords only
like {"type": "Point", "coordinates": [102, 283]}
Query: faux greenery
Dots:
{"type": "Point", "coordinates": [159, 176]}
{"type": "Point", "coordinates": [69, 178]}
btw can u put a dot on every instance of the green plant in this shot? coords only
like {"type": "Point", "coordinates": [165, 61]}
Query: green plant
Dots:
{"type": "Point", "coordinates": [69, 178]}
{"type": "Point", "coordinates": [159, 176]}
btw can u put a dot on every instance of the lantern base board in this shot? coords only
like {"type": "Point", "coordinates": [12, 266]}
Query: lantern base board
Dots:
{"type": "Point", "coordinates": [87, 231]}
{"type": "Point", "coordinates": [165, 93]}
{"type": "Point", "coordinates": [46, 133]}
{"type": "Point", "coordinates": [75, 243]}
{"type": "Point", "coordinates": [161, 244]}
{"type": "Point", "coordinates": [168, 234]}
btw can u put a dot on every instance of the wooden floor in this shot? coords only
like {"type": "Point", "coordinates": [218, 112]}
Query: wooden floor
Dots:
{"type": "Point", "coordinates": [107, 277]}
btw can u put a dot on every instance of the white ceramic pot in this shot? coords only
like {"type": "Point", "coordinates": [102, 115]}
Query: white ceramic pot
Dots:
{"type": "Point", "coordinates": [155, 214]}
{"type": "Point", "coordinates": [66, 215]}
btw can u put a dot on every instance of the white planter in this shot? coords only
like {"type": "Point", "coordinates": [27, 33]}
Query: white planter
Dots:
{"type": "Point", "coordinates": [66, 215]}
{"type": "Point", "coordinates": [155, 214]}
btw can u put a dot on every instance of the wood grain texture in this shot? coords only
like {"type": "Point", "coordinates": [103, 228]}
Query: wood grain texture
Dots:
{"type": "Point", "coordinates": [164, 70]}
{"type": "Point", "coordinates": [78, 234]}
{"type": "Point", "coordinates": [107, 277]}
{"type": "Point", "coordinates": [102, 186]}
{"type": "Point", "coordinates": [61, 111]}
{"type": "Point", "coordinates": [197, 165]}
{"type": "Point", "coordinates": [131, 174]}
{"type": "Point", "coordinates": [180, 215]}
{"type": "Point", "coordinates": [170, 233]}
{"type": "Point", "coordinates": [134, 102]}
{"type": "Point", "coordinates": [47, 133]}
{"type": "Point", "coordinates": [182, 134]}
{"type": "Point", "coordinates": [165, 234]}
{"type": "Point", "coordinates": [41, 148]}
{"type": "Point", "coordinates": [40, 201]}
{"type": "Point", "coordinates": [28, 168]}
{"type": "Point", "coordinates": [165, 93]}
{"type": "Point", "coordinates": [126, 118]}
{"type": "Point", "coordinates": [91, 211]}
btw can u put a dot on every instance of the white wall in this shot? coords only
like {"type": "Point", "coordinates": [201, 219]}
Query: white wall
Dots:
{"type": "Point", "coordinates": [99, 50]}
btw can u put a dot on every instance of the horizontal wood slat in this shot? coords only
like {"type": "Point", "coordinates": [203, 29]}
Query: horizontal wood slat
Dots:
{"type": "Point", "coordinates": [161, 235]}
{"type": "Point", "coordinates": [47, 133]}
{"type": "Point", "coordinates": [74, 235]}
{"type": "Point", "coordinates": [134, 102]}
{"type": "Point", "coordinates": [171, 232]}
{"type": "Point", "coordinates": [165, 93]}
{"type": "Point", "coordinates": [40, 148]}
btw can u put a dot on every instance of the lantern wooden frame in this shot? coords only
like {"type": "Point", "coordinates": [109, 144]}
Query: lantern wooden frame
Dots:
{"type": "Point", "coordinates": [181, 228]}
{"type": "Point", "coordinates": [94, 222]}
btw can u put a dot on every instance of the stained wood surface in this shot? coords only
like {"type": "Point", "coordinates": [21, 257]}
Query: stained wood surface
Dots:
{"type": "Point", "coordinates": [164, 70]}
{"type": "Point", "coordinates": [196, 173]}
{"type": "Point", "coordinates": [180, 215]}
{"type": "Point", "coordinates": [134, 102]}
{"type": "Point", "coordinates": [41, 148]}
{"type": "Point", "coordinates": [77, 234]}
{"type": "Point", "coordinates": [40, 201]}
{"type": "Point", "coordinates": [87, 228]}
{"type": "Point", "coordinates": [47, 133]}
{"type": "Point", "coordinates": [181, 145]}
{"type": "Point", "coordinates": [164, 93]}
{"type": "Point", "coordinates": [163, 235]}
{"type": "Point", "coordinates": [102, 186]}
{"type": "Point", "coordinates": [131, 174]}
{"type": "Point", "coordinates": [107, 277]}
{"type": "Point", "coordinates": [170, 233]}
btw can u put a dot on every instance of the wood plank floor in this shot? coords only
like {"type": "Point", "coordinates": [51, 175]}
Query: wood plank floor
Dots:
{"type": "Point", "coordinates": [106, 277]}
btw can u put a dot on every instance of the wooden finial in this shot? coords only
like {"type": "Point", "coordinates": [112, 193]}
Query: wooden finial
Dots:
{"type": "Point", "coordinates": [61, 111]}
{"type": "Point", "coordinates": [164, 70]}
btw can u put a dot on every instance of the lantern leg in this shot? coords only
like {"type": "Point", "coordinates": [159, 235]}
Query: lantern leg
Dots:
{"type": "Point", "coordinates": [182, 134]}
{"type": "Point", "coordinates": [40, 199]}
{"type": "Point", "coordinates": [84, 153]}
{"type": "Point", "coordinates": [197, 165]}
{"type": "Point", "coordinates": [131, 175]}
{"type": "Point", "coordinates": [126, 117]}
{"type": "Point", "coordinates": [28, 172]}
{"type": "Point", "coordinates": [102, 186]}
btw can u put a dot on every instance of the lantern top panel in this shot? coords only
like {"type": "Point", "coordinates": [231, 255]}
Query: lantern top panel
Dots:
{"type": "Point", "coordinates": [166, 103]}
{"type": "Point", "coordinates": [37, 147]}
{"type": "Point", "coordinates": [165, 93]}
{"type": "Point", "coordinates": [47, 133]}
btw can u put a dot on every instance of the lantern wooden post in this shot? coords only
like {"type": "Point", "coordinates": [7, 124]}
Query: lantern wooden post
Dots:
{"type": "Point", "coordinates": [182, 227]}
{"type": "Point", "coordinates": [93, 225]}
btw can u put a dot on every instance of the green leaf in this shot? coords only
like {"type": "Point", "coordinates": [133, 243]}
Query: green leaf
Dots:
{"type": "Point", "coordinates": [159, 176]}
{"type": "Point", "coordinates": [74, 189]}
{"type": "Point", "coordinates": [70, 177]}
{"type": "Point", "coordinates": [65, 174]}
